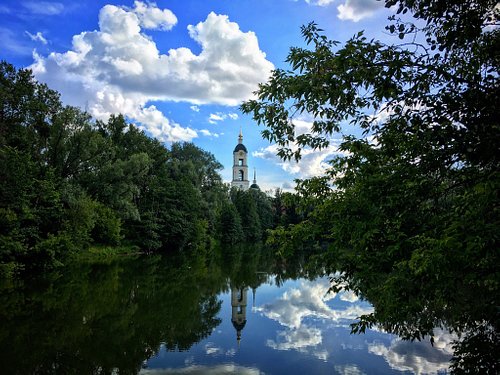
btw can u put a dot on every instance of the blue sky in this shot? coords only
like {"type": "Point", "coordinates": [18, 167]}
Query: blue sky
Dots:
{"type": "Point", "coordinates": [179, 68]}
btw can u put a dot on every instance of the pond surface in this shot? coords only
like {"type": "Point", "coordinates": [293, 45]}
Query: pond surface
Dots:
{"type": "Point", "coordinates": [233, 311]}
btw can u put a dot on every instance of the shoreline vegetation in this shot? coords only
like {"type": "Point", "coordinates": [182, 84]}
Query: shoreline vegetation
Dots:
{"type": "Point", "coordinates": [72, 187]}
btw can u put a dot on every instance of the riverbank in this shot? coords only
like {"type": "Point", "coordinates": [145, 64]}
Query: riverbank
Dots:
{"type": "Point", "coordinates": [94, 254]}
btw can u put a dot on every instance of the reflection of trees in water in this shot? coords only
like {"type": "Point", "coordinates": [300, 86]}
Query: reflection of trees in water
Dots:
{"type": "Point", "coordinates": [98, 317]}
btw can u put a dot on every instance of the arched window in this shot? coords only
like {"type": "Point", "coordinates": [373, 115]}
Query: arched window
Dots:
{"type": "Point", "coordinates": [241, 175]}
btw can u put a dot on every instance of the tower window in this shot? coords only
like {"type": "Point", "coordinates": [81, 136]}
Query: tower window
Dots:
{"type": "Point", "coordinates": [241, 175]}
{"type": "Point", "coordinates": [240, 162]}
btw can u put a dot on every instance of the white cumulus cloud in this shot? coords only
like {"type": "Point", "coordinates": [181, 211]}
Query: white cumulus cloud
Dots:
{"type": "Point", "coordinates": [312, 163]}
{"type": "Point", "coordinates": [219, 116]}
{"type": "Point", "coordinates": [118, 68]}
{"type": "Point", "coordinates": [151, 17]}
{"type": "Point", "coordinates": [356, 10]}
{"type": "Point", "coordinates": [214, 117]}
{"type": "Point", "coordinates": [208, 133]}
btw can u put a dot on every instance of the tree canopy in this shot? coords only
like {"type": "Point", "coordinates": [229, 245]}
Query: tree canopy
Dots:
{"type": "Point", "coordinates": [409, 211]}
{"type": "Point", "coordinates": [69, 182]}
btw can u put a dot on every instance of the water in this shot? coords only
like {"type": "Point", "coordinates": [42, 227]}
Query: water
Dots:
{"type": "Point", "coordinates": [233, 311]}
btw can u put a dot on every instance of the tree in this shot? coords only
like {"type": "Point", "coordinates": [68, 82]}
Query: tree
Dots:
{"type": "Point", "coordinates": [410, 215]}
{"type": "Point", "coordinates": [68, 182]}
{"type": "Point", "coordinates": [247, 211]}
{"type": "Point", "coordinates": [264, 209]}
{"type": "Point", "coordinates": [203, 170]}
{"type": "Point", "coordinates": [229, 224]}
{"type": "Point", "coordinates": [285, 208]}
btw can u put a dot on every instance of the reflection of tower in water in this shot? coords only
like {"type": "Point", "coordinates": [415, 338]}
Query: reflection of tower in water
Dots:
{"type": "Point", "coordinates": [239, 310]}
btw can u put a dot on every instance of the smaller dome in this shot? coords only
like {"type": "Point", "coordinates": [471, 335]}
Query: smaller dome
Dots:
{"type": "Point", "coordinates": [254, 186]}
{"type": "Point", "coordinates": [240, 147]}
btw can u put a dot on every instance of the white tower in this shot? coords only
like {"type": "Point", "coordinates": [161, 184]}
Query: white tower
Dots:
{"type": "Point", "coordinates": [240, 167]}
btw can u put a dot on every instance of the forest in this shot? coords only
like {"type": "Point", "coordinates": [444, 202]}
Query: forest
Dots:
{"type": "Point", "coordinates": [70, 184]}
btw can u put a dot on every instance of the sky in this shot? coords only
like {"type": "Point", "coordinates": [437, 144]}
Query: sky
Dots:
{"type": "Point", "coordinates": [179, 69]}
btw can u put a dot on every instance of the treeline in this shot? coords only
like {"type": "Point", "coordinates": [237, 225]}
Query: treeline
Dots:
{"type": "Point", "coordinates": [247, 215]}
{"type": "Point", "coordinates": [68, 182]}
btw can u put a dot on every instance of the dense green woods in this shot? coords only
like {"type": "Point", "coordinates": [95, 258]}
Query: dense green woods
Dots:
{"type": "Point", "coordinates": [409, 211]}
{"type": "Point", "coordinates": [68, 183]}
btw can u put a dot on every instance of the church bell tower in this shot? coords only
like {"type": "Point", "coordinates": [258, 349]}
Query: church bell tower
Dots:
{"type": "Point", "coordinates": [240, 166]}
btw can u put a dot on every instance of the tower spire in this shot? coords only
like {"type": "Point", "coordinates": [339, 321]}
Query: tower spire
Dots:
{"type": "Point", "coordinates": [254, 176]}
{"type": "Point", "coordinates": [240, 137]}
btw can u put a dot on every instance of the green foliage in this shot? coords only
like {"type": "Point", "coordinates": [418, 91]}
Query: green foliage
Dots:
{"type": "Point", "coordinates": [263, 208]}
{"type": "Point", "coordinates": [477, 351]}
{"type": "Point", "coordinates": [247, 210]}
{"type": "Point", "coordinates": [285, 208]}
{"type": "Point", "coordinates": [68, 182]}
{"type": "Point", "coordinates": [49, 252]}
{"type": "Point", "coordinates": [410, 214]}
{"type": "Point", "coordinates": [107, 228]}
{"type": "Point", "coordinates": [229, 227]}
{"type": "Point", "coordinates": [80, 217]}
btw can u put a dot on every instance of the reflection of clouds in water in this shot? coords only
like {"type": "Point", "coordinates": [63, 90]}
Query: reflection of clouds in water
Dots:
{"type": "Point", "coordinates": [297, 338]}
{"type": "Point", "coordinates": [444, 340]}
{"type": "Point", "coordinates": [348, 296]}
{"type": "Point", "coordinates": [309, 300]}
{"type": "Point", "coordinates": [345, 346]}
{"type": "Point", "coordinates": [300, 339]}
{"type": "Point", "coordinates": [200, 370]}
{"type": "Point", "coordinates": [348, 370]}
{"type": "Point", "coordinates": [321, 354]}
{"type": "Point", "coordinates": [418, 357]}
{"type": "Point", "coordinates": [189, 360]}
{"type": "Point", "coordinates": [211, 349]}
